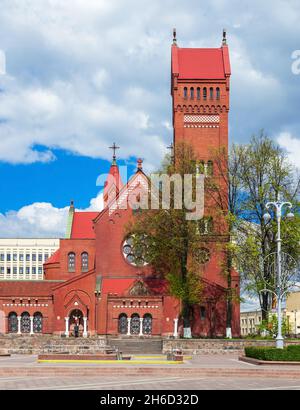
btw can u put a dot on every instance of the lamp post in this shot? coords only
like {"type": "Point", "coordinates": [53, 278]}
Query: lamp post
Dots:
{"type": "Point", "coordinates": [278, 206]}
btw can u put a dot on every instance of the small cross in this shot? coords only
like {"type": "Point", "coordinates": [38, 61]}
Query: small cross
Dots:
{"type": "Point", "coordinates": [174, 36]}
{"type": "Point", "coordinates": [224, 42]}
{"type": "Point", "coordinates": [114, 147]}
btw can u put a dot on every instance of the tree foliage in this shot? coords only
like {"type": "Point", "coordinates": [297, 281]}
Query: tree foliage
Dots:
{"type": "Point", "coordinates": [266, 175]}
{"type": "Point", "coordinates": [172, 239]}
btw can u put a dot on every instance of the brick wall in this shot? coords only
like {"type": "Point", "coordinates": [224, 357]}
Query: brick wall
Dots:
{"type": "Point", "coordinates": [210, 346]}
{"type": "Point", "coordinates": [14, 344]}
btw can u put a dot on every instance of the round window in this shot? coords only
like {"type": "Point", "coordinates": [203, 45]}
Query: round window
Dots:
{"type": "Point", "coordinates": [135, 250]}
{"type": "Point", "coordinates": [202, 255]}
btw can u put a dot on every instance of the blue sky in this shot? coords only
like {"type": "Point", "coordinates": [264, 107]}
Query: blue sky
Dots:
{"type": "Point", "coordinates": [80, 75]}
{"type": "Point", "coordinates": [68, 176]}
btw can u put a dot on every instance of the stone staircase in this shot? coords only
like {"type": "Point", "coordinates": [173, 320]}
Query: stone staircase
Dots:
{"type": "Point", "coordinates": [136, 345]}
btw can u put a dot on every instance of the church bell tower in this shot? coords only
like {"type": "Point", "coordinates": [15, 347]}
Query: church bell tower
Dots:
{"type": "Point", "coordinates": [200, 85]}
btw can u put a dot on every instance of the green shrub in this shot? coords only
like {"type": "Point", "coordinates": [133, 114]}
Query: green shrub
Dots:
{"type": "Point", "coordinates": [290, 353]}
{"type": "Point", "coordinates": [293, 348]}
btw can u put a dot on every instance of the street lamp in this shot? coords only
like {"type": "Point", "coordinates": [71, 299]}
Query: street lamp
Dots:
{"type": "Point", "coordinates": [278, 206]}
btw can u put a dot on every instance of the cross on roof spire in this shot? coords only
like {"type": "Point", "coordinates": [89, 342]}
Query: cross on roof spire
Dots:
{"type": "Point", "coordinates": [114, 147]}
{"type": "Point", "coordinates": [224, 41]}
{"type": "Point", "coordinates": [174, 36]}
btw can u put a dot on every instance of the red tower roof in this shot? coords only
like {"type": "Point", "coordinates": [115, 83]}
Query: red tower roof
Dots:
{"type": "Point", "coordinates": [200, 63]}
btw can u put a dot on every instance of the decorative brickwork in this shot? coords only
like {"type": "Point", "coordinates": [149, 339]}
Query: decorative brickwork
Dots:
{"type": "Point", "coordinates": [91, 287]}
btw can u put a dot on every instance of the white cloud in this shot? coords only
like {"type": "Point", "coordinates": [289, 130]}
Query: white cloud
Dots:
{"type": "Point", "coordinates": [2, 63]}
{"type": "Point", "coordinates": [96, 204]}
{"type": "Point", "coordinates": [40, 219]}
{"type": "Point", "coordinates": [85, 73]}
{"type": "Point", "coordinates": [101, 78]}
{"type": "Point", "coordinates": [292, 145]}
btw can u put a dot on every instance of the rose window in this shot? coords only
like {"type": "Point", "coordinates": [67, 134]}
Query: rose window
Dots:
{"type": "Point", "coordinates": [202, 255]}
{"type": "Point", "coordinates": [135, 249]}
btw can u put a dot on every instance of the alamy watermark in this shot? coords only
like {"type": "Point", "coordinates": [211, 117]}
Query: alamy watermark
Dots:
{"type": "Point", "coordinates": [159, 191]}
{"type": "Point", "coordinates": [296, 64]}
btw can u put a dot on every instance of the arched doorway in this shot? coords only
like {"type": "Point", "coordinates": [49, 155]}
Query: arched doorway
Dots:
{"type": "Point", "coordinates": [12, 322]}
{"type": "Point", "coordinates": [76, 321]}
{"type": "Point", "coordinates": [147, 324]}
{"type": "Point", "coordinates": [25, 322]}
{"type": "Point", "coordinates": [123, 324]}
{"type": "Point", "coordinates": [135, 324]}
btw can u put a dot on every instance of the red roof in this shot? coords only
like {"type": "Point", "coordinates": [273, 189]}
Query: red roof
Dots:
{"type": "Point", "coordinates": [200, 63]}
{"type": "Point", "coordinates": [27, 288]}
{"type": "Point", "coordinates": [82, 226]}
{"type": "Point", "coordinates": [54, 258]}
{"type": "Point", "coordinates": [120, 286]}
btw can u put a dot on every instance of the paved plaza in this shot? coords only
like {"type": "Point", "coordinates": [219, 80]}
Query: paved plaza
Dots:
{"type": "Point", "coordinates": [217, 372]}
{"type": "Point", "coordinates": [150, 383]}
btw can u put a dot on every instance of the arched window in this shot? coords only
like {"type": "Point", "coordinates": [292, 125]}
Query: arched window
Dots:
{"type": "Point", "coordinates": [147, 324]}
{"type": "Point", "coordinates": [123, 324]}
{"type": "Point", "coordinates": [218, 93]}
{"type": "Point", "coordinates": [202, 313]}
{"type": "Point", "coordinates": [199, 167]}
{"type": "Point", "coordinates": [12, 323]}
{"type": "Point", "coordinates": [211, 93]}
{"type": "Point", "coordinates": [84, 262]}
{"type": "Point", "coordinates": [135, 324]}
{"type": "Point", "coordinates": [210, 168]}
{"type": "Point", "coordinates": [25, 322]}
{"type": "Point", "coordinates": [205, 93]}
{"type": "Point", "coordinates": [192, 93]}
{"type": "Point", "coordinates": [71, 262]}
{"type": "Point", "coordinates": [198, 93]}
{"type": "Point", "coordinates": [206, 225]}
{"type": "Point", "coordinates": [185, 90]}
{"type": "Point", "coordinates": [37, 323]}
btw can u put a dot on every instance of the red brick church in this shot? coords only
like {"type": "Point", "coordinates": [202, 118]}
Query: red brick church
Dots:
{"type": "Point", "coordinates": [93, 282]}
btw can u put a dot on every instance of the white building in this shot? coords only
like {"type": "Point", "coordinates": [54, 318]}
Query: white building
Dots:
{"type": "Point", "coordinates": [250, 322]}
{"type": "Point", "coordinates": [293, 312]}
{"type": "Point", "coordinates": [22, 259]}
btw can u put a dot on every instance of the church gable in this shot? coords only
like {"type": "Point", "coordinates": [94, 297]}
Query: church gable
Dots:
{"type": "Point", "coordinates": [77, 299]}
{"type": "Point", "coordinates": [129, 195]}
{"type": "Point", "coordinates": [139, 288]}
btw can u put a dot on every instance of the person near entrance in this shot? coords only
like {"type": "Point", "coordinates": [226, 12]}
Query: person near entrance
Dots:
{"type": "Point", "coordinates": [76, 330]}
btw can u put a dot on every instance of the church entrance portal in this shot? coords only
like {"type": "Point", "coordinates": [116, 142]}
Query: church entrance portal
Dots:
{"type": "Point", "coordinates": [76, 323]}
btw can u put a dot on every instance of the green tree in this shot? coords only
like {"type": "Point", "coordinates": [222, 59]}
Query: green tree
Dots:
{"type": "Point", "coordinates": [226, 194]}
{"type": "Point", "coordinates": [270, 326]}
{"type": "Point", "coordinates": [266, 175]}
{"type": "Point", "coordinates": [173, 247]}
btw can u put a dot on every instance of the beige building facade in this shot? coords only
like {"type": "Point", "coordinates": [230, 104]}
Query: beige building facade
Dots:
{"type": "Point", "coordinates": [293, 312]}
{"type": "Point", "coordinates": [22, 259]}
{"type": "Point", "coordinates": [250, 322]}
